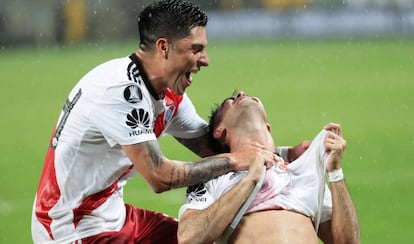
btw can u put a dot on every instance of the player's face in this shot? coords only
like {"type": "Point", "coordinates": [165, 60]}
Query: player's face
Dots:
{"type": "Point", "coordinates": [240, 107]}
{"type": "Point", "coordinates": [187, 56]}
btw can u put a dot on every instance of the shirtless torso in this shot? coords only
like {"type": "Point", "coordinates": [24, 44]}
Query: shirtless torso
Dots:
{"type": "Point", "coordinates": [286, 227]}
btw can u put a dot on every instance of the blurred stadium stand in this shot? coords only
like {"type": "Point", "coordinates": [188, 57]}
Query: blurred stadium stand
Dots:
{"type": "Point", "coordinates": [45, 22]}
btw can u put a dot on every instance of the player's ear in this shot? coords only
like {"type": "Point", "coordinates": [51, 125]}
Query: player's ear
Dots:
{"type": "Point", "coordinates": [268, 126]}
{"type": "Point", "coordinates": [162, 47]}
{"type": "Point", "coordinates": [219, 133]}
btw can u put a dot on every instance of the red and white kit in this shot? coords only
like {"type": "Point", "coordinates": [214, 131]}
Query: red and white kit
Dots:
{"type": "Point", "coordinates": [80, 192]}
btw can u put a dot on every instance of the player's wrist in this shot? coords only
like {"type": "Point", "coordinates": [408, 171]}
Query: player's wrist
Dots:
{"type": "Point", "coordinates": [335, 175]}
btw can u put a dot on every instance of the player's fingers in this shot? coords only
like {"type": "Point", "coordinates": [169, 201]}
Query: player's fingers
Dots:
{"type": "Point", "coordinates": [258, 145]}
{"type": "Point", "coordinates": [269, 156]}
{"type": "Point", "coordinates": [334, 127]}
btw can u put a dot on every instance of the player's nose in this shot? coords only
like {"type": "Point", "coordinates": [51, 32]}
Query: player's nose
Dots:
{"type": "Point", "coordinates": [240, 94]}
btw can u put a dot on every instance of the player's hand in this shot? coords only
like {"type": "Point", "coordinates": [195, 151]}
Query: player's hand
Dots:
{"type": "Point", "coordinates": [296, 151]}
{"type": "Point", "coordinates": [251, 154]}
{"type": "Point", "coordinates": [335, 146]}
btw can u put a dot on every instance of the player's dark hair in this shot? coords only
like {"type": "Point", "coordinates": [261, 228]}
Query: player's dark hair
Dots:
{"type": "Point", "coordinates": [170, 19]}
{"type": "Point", "coordinates": [214, 119]}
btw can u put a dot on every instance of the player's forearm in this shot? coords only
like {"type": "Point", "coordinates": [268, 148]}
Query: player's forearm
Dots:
{"type": "Point", "coordinates": [199, 145]}
{"type": "Point", "coordinates": [345, 225]}
{"type": "Point", "coordinates": [206, 226]}
{"type": "Point", "coordinates": [163, 174]}
{"type": "Point", "coordinates": [187, 174]}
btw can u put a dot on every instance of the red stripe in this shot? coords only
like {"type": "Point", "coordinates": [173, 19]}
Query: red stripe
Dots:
{"type": "Point", "coordinates": [48, 192]}
{"type": "Point", "coordinates": [92, 202]}
{"type": "Point", "coordinates": [170, 98]}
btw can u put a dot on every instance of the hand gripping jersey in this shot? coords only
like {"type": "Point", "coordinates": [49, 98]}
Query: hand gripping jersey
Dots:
{"type": "Point", "coordinates": [295, 186]}
{"type": "Point", "coordinates": [80, 192]}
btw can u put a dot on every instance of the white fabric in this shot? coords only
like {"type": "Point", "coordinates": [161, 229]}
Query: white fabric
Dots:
{"type": "Point", "coordinates": [292, 187]}
{"type": "Point", "coordinates": [186, 123]}
{"type": "Point", "coordinates": [109, 107]}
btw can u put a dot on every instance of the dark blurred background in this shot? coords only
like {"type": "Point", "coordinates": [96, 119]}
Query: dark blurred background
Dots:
{"type": "Point", "coordinates": [46, 22]}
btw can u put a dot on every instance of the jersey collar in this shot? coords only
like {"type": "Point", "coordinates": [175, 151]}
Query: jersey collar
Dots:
{"type": "Point", "coordinates": [144, 76]}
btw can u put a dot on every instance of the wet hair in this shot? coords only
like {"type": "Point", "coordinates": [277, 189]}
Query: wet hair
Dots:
{"type": "Point", "coordinates": [214, 120]}
{"type": "Point", "coordinates": [170, 19]}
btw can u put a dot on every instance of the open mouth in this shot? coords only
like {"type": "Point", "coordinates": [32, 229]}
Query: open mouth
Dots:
{"type": "Point", "coordinates": [188, 78]}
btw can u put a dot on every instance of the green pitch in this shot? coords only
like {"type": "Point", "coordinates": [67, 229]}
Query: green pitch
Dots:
{"type": "Point", "coordinates": [365, 85]}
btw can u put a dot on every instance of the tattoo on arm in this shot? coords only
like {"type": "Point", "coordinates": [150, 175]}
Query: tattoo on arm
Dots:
{"type": "Point", "coordinates": [342, 193]}
{"type": "Point", "coordinates": [205, 169]}
{"type": "Point", "coordinates": [198, 172]}
{"type": "Point", "coordinates": [349, 216]}
{"type": "Point", "coordinates": [187, 174]}
{"type": "Point", "coordinates": [154, 153]}
{"type": "Point", "coordinates": [197, 145]}
{"type": "Point", "coordinates": [171, 186]}
{"type": "Point", "coordinates": [345, 198]}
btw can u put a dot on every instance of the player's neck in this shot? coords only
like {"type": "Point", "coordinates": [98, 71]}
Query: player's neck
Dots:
{"type": "Point", "coordinates": [241, 138]}
{"type": "Point", "coordinates": [152, 68]}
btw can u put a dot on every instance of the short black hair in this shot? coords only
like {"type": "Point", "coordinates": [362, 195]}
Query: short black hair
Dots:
{"type": "Point", "coordinates": [170, 19]}
{"type": "Point", "coordinates": [214, 119]}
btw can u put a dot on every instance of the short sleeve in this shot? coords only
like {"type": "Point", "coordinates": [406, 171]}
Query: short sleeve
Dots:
{"type": "Point", "coordinates": [187, 123]}
{"type": "Point", "coordinates": [123, 121]}
{"type": "Point", "coordinates": [198, 197]}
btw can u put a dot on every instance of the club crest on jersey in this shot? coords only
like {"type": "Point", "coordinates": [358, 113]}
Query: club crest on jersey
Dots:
{"type": "Point", "coordinates": [169, 112]}
{"type": "Point", "coordinates": [133, 94]}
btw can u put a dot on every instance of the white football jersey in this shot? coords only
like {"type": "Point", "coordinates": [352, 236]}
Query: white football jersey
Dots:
{"type": "Point", "coordinates": [295, 186]}
{"type": "Point", "coordinates": [81, 188]}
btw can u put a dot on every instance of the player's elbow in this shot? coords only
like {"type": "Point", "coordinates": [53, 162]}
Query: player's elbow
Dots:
{"type": "Point", "coordinates": [348, 237]}
{"type": "Point", "coordinates": [186, 236]}
{"type": "Point", "coordinates": [159, 182]}
{"type": "Point", "coordinates": [183, 238]}
{"type": "Point", "coordinates": [159, 187]}
{"type": "Point", "coordinates": [159, 190]}
{"type": "Point", "coordinates": [191, 231]}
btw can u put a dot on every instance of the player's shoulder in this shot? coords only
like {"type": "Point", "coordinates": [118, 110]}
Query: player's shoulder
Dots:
{"type": "Point", "coordinates": [116, 62]}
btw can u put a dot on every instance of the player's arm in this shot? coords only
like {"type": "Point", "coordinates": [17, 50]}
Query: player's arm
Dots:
{"type": "Point", "coordinates": [344, 226]}
{"type": "Point", "coordinates": [290, 154]}
{"type": "Point", "coordinates": [164, 174]}
{"type": "Point", "coordinates": [198, 145]}
{"type": "Point", "coordinates": [206, 226]}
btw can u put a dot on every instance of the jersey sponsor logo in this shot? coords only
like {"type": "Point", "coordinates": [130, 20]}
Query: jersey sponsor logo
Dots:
{"type": "Point", "coordinates": [138, 117]}
{"type": "Point", "coordinates": [133, 94]}
{"type": "Point", "coordinates": [196, 193]}
{"type": "Point", "coordinates": [235, 174]}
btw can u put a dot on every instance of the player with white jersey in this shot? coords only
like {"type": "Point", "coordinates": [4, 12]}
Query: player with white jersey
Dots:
{"type": "Point", "coordinates": [291, 186]}
{"type": "Point", "coordinates": [83, 194]}
{"type": "Point", "coordinates": [293, 205]}
{"type": "Point", "coordinates": [108, 130]}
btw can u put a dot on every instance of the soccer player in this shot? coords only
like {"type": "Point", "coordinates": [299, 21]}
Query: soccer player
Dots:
{"type": "Point", "coordinates": [108, 129]}
{"type": "Point", "coordinates": [293, 199]}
